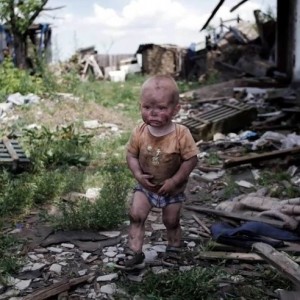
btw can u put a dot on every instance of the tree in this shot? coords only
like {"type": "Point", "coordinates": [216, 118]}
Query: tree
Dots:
{"type": "Point", "coordinates": [18, 16]}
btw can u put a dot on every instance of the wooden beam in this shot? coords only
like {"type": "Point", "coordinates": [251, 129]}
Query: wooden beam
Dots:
{"type": "Point", "coordinates": [201, 224]}
{"type": "Point", "coordinates": [229, 256]}
{"type": "Point", "coordinates": [57, 288]}
{"type": "Point", "coordinates": [281, 261]}
{"type": "Point", "coordinates": [235, 216]}
{"type": "Point", "coordinates": [260, 157]}
{"type": "Point", "coordinates": [212, 14]}
{"type": "Point", "coordinates": [237, 5]}
{"type": "Point", "coordinates": [288, 295]}
{"type": "Point", "coordinates": [10, 149]}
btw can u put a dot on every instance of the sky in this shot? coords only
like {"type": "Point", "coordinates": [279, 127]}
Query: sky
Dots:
{"type": "Point", "coordinates": [120, 26]}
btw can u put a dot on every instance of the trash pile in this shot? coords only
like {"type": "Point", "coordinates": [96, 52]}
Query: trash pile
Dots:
{"type": "Point", "coordinates": [249, 141]}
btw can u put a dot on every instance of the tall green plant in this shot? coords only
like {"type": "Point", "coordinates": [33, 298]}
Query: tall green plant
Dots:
{"type": "Point", "coordinates": [14, 80]}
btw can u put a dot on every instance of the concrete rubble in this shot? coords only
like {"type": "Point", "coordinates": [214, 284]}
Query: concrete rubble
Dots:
{"type": "Point", "coordinates": [46, 266]}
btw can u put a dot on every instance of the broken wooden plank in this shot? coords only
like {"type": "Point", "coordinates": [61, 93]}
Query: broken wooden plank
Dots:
{"type": "Point", "coordinates": [280, 260]}
{"type": "Point", "coordinates": [49, 291]}
{"type": "Point", "coordinates": [288, 295]}
{"type": "Point", "coordinates": [235, 216]}
{"type": "Point", "coordinates": [201, 224]}
{"type": "Point", "coordinates": [229, 256]}
{"type": "Point", "coordinates": [198, 232]}
{"type": "Point", "coordinates": [293, 248]}
{"type": "Point", "coordinates": [260, 157]}
{"type": "Point", "coordinates": [215, 99]}
{"type": "Point", "coordinates": [57, 288]}
{"type": "Point", "coordinates": [10, 149]}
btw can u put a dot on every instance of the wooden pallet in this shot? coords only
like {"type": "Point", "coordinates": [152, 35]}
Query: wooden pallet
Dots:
{"type": "Point", "coordinates": [12, 154]}
{"type": "Point", "coordinates": [226, 118]}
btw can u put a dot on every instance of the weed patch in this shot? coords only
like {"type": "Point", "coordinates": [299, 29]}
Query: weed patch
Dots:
{"type": "Point", "coordinates": [10, 262]}
{"type": "Point", "coordinates": [231, 188]}
{"type": "Point", "coordinates": [14, 80]}
{"type": "Point", "coordinates": [56, 148]}
{"type": "Point", "coordinates": [198, 283]}
{"type": "Point", "coordinates": [109, 209]}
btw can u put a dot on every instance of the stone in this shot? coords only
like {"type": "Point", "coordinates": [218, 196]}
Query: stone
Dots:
{"type": "Point", "coordinates": [9, 294]}
{"type": "Point", "coordinates": [110, 234]}
{"type": "Point", "coordinates": [92, 193]}
{"type": "Point", "coordinates": [85, 255]}
{"type": "Point", "coordinates": [108, 277]}
{"type": "Point", "coordinates": [156, 270]}
{"type": "Point", "coordinates": [82, 272]}
{"type": "Point", "coordinates": [112, 249]}
{"type": "Point", "coordinates": [33, 257]}
{"type": "Point", "coordinates": [185, 268]}
{"type": "Point", "coordinates": [56, 268]}
{"type": "Point", "coordinates": [120, 255]}
{"type": "Point", "coordinates": [108, 288]}
{"type": "Point", "coordinates": [37, 266]}
{"type": "Point", "coordinates": [135, 278]}
{"type": "Point", "coordinates": [110, 254]}
{"type": "Point", "coordinates": [159, 248]}
{"type": "Point", "coordinates": [92, 124]}
{"type": "Point", "coordinates": [41, 250]}
{"type": "Point", "coordinates": [150, 255]}
{"type": "Point", "coordinates": [156, 226]}
{"type": "Point", "coordinates": [55, 249]}
{"type": "Point", "coordinates": [191, 244]}
{"type": "Point", "coordinates": [5, 107]}
{"type": "Point", "coordinates": [22, 284]}
{"type": "Point", "coordinates": [66, 245]}
{"type": "Point", "coordinates": [245, 184]}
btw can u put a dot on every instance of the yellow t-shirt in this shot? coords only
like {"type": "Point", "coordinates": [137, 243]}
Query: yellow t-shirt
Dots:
{"type": "Point", "coordinates": [162, 156]}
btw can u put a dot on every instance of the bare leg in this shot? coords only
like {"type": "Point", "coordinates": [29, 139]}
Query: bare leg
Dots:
{"type": "Point", "coordinates": [139, 211]}
{"type": "Point", "coordinates": [171, 219]}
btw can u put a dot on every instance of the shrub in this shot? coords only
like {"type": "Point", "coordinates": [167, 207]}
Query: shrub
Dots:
{"type": "Point", "coordinates": [10, 262]}
{"type": "Point", "coordinates": [109, 209]}
{"type": "Point", "coordinates": [14, 80]}
{"type": "Point", "coordinates": [64, 146]}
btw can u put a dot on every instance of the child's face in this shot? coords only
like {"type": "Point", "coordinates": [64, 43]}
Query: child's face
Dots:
{"type": "Point", "coordinates": [158, 109]}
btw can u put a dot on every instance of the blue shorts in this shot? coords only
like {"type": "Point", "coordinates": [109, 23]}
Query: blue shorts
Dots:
{"type": "Point", "coordinates": [160, 201]}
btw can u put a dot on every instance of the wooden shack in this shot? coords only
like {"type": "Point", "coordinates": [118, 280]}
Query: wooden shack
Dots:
{"type": "Point", "coordinates": [162, 59]}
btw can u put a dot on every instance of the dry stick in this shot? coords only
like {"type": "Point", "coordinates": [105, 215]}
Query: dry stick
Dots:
{"type": "Point", "coordinates": [201, 224]}
{"type": "Point", "coordinates": [204, 234]}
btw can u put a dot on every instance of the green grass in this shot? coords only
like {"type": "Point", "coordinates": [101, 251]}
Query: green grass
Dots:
{"type": "Point", "coordinates": [274, 179]}
{"type": "Point", "coordinates": [201, 283]}
{"type": "Point", "coordinates": [198, 283]}
{"type": "Point", "coordinates": [10, 261]}
{"type": "Point", "coordinates": [231, 188]}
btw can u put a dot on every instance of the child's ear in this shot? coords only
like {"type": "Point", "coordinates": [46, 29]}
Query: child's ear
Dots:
{"type": "Point", "coordinates": [176, 109]}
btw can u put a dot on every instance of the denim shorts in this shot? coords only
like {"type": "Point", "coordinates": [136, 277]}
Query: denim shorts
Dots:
{"type": "Point", "coordinates": [160, 201]}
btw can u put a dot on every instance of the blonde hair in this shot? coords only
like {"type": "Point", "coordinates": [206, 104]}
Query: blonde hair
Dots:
{"type": "Point", "coordinates": [165, 83]}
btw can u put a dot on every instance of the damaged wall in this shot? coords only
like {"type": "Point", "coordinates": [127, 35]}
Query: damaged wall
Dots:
{"type": "Point", "coordinates": [296, 71]}
{"type": "Point", "coordinates": [161, 59]}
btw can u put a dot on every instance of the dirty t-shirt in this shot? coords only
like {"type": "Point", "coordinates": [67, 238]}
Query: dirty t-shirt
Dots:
{"type": "Point", "coordinates": [162, 156]}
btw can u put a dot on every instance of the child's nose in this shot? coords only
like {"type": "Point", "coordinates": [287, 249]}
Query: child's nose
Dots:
{"type": "Point", "coordinates": [153, 112]}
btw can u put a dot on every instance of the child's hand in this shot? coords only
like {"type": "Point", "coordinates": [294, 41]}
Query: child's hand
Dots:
{"type": "Point", "coordinates": [168, 188]}
{"type": "Point", "coordinates": [145, 181]}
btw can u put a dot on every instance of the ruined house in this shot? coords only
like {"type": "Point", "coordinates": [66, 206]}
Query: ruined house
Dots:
{"type": "Point", "coordinates": [284, 38]}
{"type": "Point", "coordinates": [38, 42]}
{"type": "Point", "coordinates": [161, 59]}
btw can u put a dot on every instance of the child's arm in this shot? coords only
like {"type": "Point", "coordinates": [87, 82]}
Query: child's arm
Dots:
{"type": "Point", "coordinates": [185, 170]}
{"type": "Point", "coordinates": [179, 177]}
{"type": "Point", "coordinates": [134, 166]}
